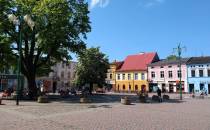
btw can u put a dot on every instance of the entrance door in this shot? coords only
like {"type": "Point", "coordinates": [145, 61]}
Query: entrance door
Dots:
{"type": "Point", "coordinates": [54, 87]}
{"type": "Point", "coordinates": [143, 88]}
{"type": "Point", "coordinates": [201, 87]}
{"type": "Point", "coordinates": [164, 88]}
{"type": "Point", "coordinates": [191, 88]}
{"type": "Point", "coordinates": [209, 88]}
{"type": "Point", "coordinates": [171, 88]}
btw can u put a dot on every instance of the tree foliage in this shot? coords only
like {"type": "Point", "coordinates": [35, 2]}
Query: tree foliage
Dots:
{"type": "Point", "coordinates": [92, 67]}
{"type": "Point", "coordinates": [172, 57]}
{"type": "Point", "coordinates": [60, 28]}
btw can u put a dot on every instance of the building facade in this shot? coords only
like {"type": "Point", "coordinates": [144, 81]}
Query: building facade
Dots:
{"type": "Point", "coordinates": [132, 76]}
{"type": "Point", "coordinates": [63, 75]}
{"type": "Point", "coordinates": [166, 74]}
{"type": "Point", "coordinates": [61, 78]}
{"type": "Point", "coordinates": [199, 75]}
{"type": "Point", "coordinates": [111, 72]}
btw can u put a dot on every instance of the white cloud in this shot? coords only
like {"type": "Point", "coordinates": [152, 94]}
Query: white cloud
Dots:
{"type": "Point", "coordinates": [150, 3]}
{"type": "Point", "coordinates": [99, 3]}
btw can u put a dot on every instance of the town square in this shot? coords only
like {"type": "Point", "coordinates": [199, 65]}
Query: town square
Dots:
{"type": "Point", "coordinates": [107, 114]}
{"type": "Point", "coordinates": [104, 65]}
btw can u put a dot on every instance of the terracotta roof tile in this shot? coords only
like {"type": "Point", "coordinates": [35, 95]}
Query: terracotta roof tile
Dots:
{"type": "Point", "coordinates": [138, 62]}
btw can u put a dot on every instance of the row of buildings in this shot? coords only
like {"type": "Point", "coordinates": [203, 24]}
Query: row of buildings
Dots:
{"type": "Point", "coordinates": [61, 78]}
{"type": "Point", "coordinates": [147, 71]}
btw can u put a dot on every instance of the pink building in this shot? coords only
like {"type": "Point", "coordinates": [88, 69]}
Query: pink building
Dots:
{"type": "Point", "coordinates": [165, 74]}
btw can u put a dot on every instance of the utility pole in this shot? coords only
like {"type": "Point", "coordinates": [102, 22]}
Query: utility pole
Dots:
{"type": "Point", "coordinates": [19, 61]}
{"type": "Point", "coordinates": [179, 51]}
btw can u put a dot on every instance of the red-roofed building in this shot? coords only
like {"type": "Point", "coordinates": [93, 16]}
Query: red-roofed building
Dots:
{"type": "Point", "coordinates": [132, 76]}
{"type": "Point", "coordinates": [111, 72]}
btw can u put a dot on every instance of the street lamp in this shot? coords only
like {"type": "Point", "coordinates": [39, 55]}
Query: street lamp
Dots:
{"type": "Point", "coordinates": [17, 21]}
{"type": "Point", "coordinates": [179, 51]}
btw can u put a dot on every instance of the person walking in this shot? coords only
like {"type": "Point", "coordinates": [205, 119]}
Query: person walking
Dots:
{"type": "Point", "coordinates": [159, 94]}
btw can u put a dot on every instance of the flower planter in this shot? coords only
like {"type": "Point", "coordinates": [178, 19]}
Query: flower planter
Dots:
{"type": "Point", "coordinates": [42, 99]}
{"type": "Point", "coordinates": [166, 97]}
{"type": "Point", "coordinates": [125, 101]}
{"type": "Point", "coordinates": [155, 98]}
{"type": "Point", "coordinates": [143, 99]}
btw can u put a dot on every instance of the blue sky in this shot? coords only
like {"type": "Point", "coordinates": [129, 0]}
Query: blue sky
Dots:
{"type": "Point", "coordinates": [123, 27]}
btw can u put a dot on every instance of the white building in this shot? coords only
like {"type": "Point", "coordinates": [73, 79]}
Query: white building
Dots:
{"type": "Point", "coordinates": [61, 78]}
{"type": "Point", "coordinates": [63, 75]}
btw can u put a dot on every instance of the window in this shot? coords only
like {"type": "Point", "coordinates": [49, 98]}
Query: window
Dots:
{"type": "Point", "coordinates": [136, 87]}
{"type": "Point", "coordinates": [179, 74]}
{"type": "Point", "coordinates": [153, 74]}
{"type": "Point", "coordinates": [170, 75]}
{"type": "Point", "coordinates": [169, 66]}
{"type": "Point", "coordinates": [110, 76]}
{"type": "Point", "coordinates": [208, 73]}
{"type": "Point", "coordinates": [129, 76]}
{"type": "Point", "coordinates": [152, 67]}
{"type": "Point", "coordinates": [118, 76]}
{"type": "Point", "coordinates": [69, 75]}
{"type": "Point", "coordinates": [161, 67]}
{"type": "Point", "coordinates": [123, 87]}
{"type": "Point", "coordinates": [142, 76]}
{"type": "Point", "coordinates": [192, 73]}
{"type": "Point", "coordinates": [200, 73]}
{"type": "Point", "coordinates": [201, 86]}
{"type": "Point", "coordinates": [62, 74]}
{"type": "Point", "coordinates": [162, 74]}
{"type": "Point", "coordinates": [69, 66]}
{"type": "Point", "coordinates": [123, 77]}
{"type": "Point", "coordinates": [136, 76]}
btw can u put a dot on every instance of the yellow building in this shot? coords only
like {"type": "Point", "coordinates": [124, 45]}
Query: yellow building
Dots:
{"type": "Point", "coordinates": [111, 74]}
{"type": "Point", "coordinates": [132, 75]}
{"type": "Point", "coordinates": [131, 81]}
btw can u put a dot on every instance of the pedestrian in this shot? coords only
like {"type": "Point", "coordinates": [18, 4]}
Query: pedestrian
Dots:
{"type": "Point", "coordinates": [159, 94]}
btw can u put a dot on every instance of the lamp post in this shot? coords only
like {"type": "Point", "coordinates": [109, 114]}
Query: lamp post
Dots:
{"type": "Point", "coordinates": [179, 50]}
{"type": "Point", "coordinates": [17, 21]}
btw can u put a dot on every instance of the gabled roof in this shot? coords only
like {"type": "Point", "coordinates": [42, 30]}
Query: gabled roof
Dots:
{"type": "Point", "coordinates": [169, 62]}
{"type": "Point", "coordinates": [118, 64]}
{"type": "Point", "coordinates": [199, 60]}
{"type": "Point", "coordinates": [138, 62]}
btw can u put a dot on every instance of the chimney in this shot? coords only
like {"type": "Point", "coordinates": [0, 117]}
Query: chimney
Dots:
{"type": "Point", "coordinates": [141, 53]}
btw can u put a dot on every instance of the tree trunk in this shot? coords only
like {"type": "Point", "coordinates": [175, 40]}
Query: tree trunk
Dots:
{"type": "Point", "coordinates": [32, 87]}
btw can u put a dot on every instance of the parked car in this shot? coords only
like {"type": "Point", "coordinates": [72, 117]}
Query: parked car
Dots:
{"type": "Point", "coordinates": [100, 90]}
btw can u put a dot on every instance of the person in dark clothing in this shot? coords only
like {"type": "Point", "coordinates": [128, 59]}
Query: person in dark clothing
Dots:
{"type": "Point", "coordinates": [159, 94]}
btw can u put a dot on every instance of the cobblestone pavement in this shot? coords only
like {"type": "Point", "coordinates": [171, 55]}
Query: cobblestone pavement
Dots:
{"type": "Point", "coordinates": [191, 114]}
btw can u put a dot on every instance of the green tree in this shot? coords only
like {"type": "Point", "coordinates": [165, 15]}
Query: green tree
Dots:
{"type": "Point", "coordinates": [60, 28]}
{"type": "Point", "coordinates": [172, 57]}
{"type": "Point", "coordinates": [92, 68]}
